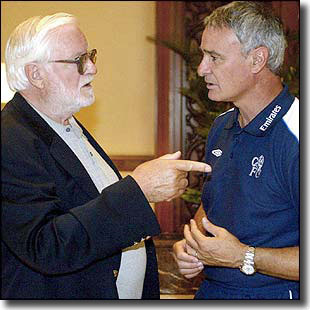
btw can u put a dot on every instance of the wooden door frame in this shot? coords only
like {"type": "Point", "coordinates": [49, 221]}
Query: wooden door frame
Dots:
{"type": "Point", "coordinates": [170, 103]}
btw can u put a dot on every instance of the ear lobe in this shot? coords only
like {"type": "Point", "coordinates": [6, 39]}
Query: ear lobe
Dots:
{"type": "Point", "coordinates": [34, 75]}
{"type": "Point", "coordinates": [259, 58]}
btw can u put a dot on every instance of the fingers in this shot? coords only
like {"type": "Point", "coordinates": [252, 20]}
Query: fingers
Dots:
{"type": "Point", "coordinates": [185, 260]}
{"type": "Point", "coordinates": [186, 165]}
{"type": "Point", "coordinates": [191, 273]}
{"type": "Point", "coordinates": [181, 187]}
{"type": "Point", "coordinates": [165, 178]}
{"type": "Point", "coordinates": [180, 253]}
{"type": "Point", "coordinates": [196, 234]}
{"type": "Point", "coordinates": [192, 252]}
{"type": "Point", "coordinates": [188, 265]}
{"type": "Point", "coordinates": [189, 238]}
{"type": "Point", "coordinates": [181, 180]}
{"type": "Point", "coordinates": [211, 228]}
{"type": "Point", "coordinates": [183, 183]}
{"type": "Point", "coordinates": [189, 165]}
{"type": "Point", "coordinates": [175, 155]}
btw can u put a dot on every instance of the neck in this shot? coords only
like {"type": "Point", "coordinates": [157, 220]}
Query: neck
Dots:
{"type": "Point", "coordinates": [44, 108]}
{"type": "Point", "coordinates": [261, 96]}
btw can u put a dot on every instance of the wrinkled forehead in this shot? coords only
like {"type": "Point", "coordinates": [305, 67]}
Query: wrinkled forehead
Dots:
{"type": "Point", "coordinates": [219, 36]}
{"type": "Point", "coordinates": [67, 41]}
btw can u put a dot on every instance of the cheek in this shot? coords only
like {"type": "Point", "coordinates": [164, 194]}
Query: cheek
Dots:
{"type": "Point", "coordinates": [71, 78]}
{"type": "Point", "coordinates": [74, 85]}
{"type": "Point", "coordinates": [236, 76]}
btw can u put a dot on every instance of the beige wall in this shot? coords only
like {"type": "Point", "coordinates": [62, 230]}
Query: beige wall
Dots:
{"type": "Point", "coordinates": [123, 117]}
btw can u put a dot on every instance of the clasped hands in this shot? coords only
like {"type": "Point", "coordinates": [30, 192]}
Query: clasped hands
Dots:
{"type": "Point", "coordinates": [197, 249]}
{"type": "Point", "coordinates": [165, 178]}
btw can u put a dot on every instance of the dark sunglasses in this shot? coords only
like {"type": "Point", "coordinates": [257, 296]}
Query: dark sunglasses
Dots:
{"type": "Point", "coordinates": [81, 60]}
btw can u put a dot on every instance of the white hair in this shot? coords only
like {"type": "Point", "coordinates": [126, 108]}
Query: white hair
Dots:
{"type": "Point", "coordinates": [30, 42]}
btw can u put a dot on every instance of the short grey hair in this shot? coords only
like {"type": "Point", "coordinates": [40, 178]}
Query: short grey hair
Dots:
{"type": "Point", "coordinates": [254, 25]}
{"type": "Point", "coordinates": [30, 42]}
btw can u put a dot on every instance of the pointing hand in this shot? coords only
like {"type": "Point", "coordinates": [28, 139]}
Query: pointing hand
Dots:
{"type": "Point", "coordinates": [165, 178]}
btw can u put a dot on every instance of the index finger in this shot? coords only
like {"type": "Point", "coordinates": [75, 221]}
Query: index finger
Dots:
{"type": "Point", "coordinates": [189, 238]}
{"type": "Point", "coordinates": [190, 165]}
{"type": "Point", "coordinates": [196, 233]}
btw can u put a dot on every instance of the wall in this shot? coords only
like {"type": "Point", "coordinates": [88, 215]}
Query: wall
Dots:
{"type": "Point", "coordinates": [122, 119]}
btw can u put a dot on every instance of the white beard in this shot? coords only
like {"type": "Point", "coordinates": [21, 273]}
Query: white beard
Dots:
{"type": "Point", "coordinates": [63, 103]}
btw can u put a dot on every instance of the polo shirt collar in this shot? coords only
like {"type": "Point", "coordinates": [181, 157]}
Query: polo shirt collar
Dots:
{"type": "Point", "coordinates": [60, 128]}
{"type": "Point", "coordinates": [233, 120]}
{"type": "Point", "coordinates": [266, 119]}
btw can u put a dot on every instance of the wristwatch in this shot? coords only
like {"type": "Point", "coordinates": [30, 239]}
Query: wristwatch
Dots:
{"type": "Point", "coordinates": [248, 266]}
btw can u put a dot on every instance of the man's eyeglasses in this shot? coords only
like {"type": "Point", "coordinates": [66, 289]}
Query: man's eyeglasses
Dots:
{"type": "Point", "coordinates": [81, 60]}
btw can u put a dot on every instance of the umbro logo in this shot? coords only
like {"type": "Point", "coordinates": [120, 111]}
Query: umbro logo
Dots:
{"type": "Point", "coordinates": [217, 152]}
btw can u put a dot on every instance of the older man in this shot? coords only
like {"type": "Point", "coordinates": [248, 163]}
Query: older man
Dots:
{"type": "Point", "coordinates": [248, 240]}
{"type": "Point", "coordinates": [72, 228]}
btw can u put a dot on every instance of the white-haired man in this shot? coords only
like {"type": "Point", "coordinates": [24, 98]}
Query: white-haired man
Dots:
{"type": "Point", "coordinates": [72, 228]}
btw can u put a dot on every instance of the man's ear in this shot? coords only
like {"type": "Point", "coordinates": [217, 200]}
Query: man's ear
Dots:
{"type": "Point", "coordinates": [34, 75]}
{"type": "Point", "coordinates": [259, 58]}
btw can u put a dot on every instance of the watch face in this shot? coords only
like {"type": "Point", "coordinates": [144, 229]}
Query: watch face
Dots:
{"type": "Point", "coordinates": [248, 269]}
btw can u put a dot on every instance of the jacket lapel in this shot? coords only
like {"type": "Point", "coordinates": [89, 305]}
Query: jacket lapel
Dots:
{"type": "Point", "coordinates": [68, 160]}
{"type": "Point", "coordinates": [58, 148]}
{"type": "Point", "coordinates": [101, 152]}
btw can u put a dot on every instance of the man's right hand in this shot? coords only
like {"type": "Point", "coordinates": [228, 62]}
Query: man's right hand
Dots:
{"type": "Point", "coordinates": [189, 265]}
{"type": "Point", "coordinates": [165, 178]}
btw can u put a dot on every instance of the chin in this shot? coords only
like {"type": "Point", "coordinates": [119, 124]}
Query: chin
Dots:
{"type": "Point", "coordinates": [217, 96]}
{"type": "Point", "coordinates": [77, 107]}
{"type": "Point", "coordinates": [85, 101]}
{"type": "Point", "coordinates": [88, 103]}
{"type": "Point", "coordinates": [214, 97]}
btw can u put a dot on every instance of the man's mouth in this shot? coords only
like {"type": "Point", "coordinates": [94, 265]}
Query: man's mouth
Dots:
{"type": "Point", "coordinates": [211, 85]}
{"type": "Point", "coordinates": [88, 84]}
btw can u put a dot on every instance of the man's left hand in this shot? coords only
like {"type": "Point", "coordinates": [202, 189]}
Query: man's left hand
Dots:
{"type": "Point", "coordinates": [224, 249]}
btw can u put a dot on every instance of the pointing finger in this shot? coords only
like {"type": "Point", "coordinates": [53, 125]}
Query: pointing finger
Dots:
{"type": "Point", "coordinates": [189, 165]}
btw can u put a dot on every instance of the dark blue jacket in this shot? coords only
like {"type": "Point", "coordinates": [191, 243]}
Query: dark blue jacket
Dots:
{"type": "Point", "coordinates": [61, 239]}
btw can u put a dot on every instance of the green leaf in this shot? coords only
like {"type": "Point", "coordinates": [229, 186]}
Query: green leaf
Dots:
{"type": "Point", "coordinates": [192, 195]}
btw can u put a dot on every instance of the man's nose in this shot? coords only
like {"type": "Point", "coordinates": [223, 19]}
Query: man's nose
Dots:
{"type": "Point", "coordinates": [204, 67]}
{"type": "Point", "coordinates": [90, 67]}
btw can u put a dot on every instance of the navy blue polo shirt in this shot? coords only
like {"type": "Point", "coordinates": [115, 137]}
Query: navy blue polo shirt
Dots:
{"type": "Point", "coordinates": [253, 190]}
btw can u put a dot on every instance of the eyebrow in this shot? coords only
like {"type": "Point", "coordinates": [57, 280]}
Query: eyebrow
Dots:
{"type": "Point", "coordinates": [210, 52]}
{"type": "Point", "coordinates": [78, 54]}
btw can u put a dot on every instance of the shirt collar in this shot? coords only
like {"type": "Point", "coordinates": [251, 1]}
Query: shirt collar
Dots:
{"type": "Point", "coordinates": [233, 120]}
{"type": "Point", "coordinates": [75, 127]}
{"type": "Point", "coordinates": [266, 119]}
{"type": "Point", "coordinates": [60, 128]}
